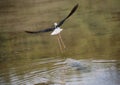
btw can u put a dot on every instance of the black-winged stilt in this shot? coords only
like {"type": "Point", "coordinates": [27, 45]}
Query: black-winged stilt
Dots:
{"type": "Point", "coordinates": [56, 30]}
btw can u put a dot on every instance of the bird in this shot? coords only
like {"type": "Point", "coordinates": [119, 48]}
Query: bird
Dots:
{"type": "Point", "coordinates": [56, 30]}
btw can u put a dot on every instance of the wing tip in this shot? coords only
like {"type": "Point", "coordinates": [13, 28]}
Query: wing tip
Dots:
{"type": "Point", "coordinates": [76, 6]}
{"type": "Point", "coordinates": [29, 32]}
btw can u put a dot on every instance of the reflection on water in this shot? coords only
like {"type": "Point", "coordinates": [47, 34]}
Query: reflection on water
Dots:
{"type": "Point", "coordinates": [51, 71]}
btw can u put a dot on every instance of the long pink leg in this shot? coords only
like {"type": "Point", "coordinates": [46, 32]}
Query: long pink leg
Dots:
{"type": "Point", "coordinates": [61, 41]}
{"type": "Point", "coordinates": [60, 45]}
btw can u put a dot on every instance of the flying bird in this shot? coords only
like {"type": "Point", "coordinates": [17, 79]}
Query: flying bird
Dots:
{"type": "Point", "coordinates": [56, 29]}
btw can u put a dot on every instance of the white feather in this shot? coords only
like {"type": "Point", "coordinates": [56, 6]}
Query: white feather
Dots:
{"type": "Point", "coordinates": [56, 31]}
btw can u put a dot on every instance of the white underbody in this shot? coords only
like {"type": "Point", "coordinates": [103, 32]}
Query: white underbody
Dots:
{"type": "Point", "coordinates": [56, 31]}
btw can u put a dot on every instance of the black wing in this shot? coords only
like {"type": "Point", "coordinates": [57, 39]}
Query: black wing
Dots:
{"type": "Point", "coordinates": [72, 11]}
{"type": "Point", "coordinates": [59, 24]}
{"type": "Point", "coordinates": [40, 31]}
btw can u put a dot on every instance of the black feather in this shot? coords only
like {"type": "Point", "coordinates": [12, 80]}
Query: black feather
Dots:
{"type": "Point", "coordinates": [72, 11]}
{"type": "Point", "coordinates": [59, 24]}
{"type": "Point", "coordinates": [40, 31]}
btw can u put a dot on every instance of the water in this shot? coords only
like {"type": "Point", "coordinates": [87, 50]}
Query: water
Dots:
{"type": "Point", "coordinates": [91, 36]}
{"type": "Point", "coordinates": [51, 71]}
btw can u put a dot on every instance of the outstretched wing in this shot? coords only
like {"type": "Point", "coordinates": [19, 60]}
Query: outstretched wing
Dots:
{"type": "Point", "coordinates": [40, 31]}
{"type": "Point", "coordinates": [59, 24]}
{"type": "Point", "coordinates": [72, 11]}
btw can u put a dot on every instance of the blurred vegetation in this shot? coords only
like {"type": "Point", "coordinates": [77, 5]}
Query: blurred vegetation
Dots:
{"type": "Point", "coordinates": [92, 32]}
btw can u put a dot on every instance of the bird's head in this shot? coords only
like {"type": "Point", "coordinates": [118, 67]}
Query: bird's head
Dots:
{"type": "Point", "coordinates": [55, 24]}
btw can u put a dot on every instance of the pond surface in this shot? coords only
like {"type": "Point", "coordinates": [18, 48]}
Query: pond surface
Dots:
{"type": "Point", "coordinates": [56, 71]}
{"type": "Point", "coordinates": [91, 36]}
